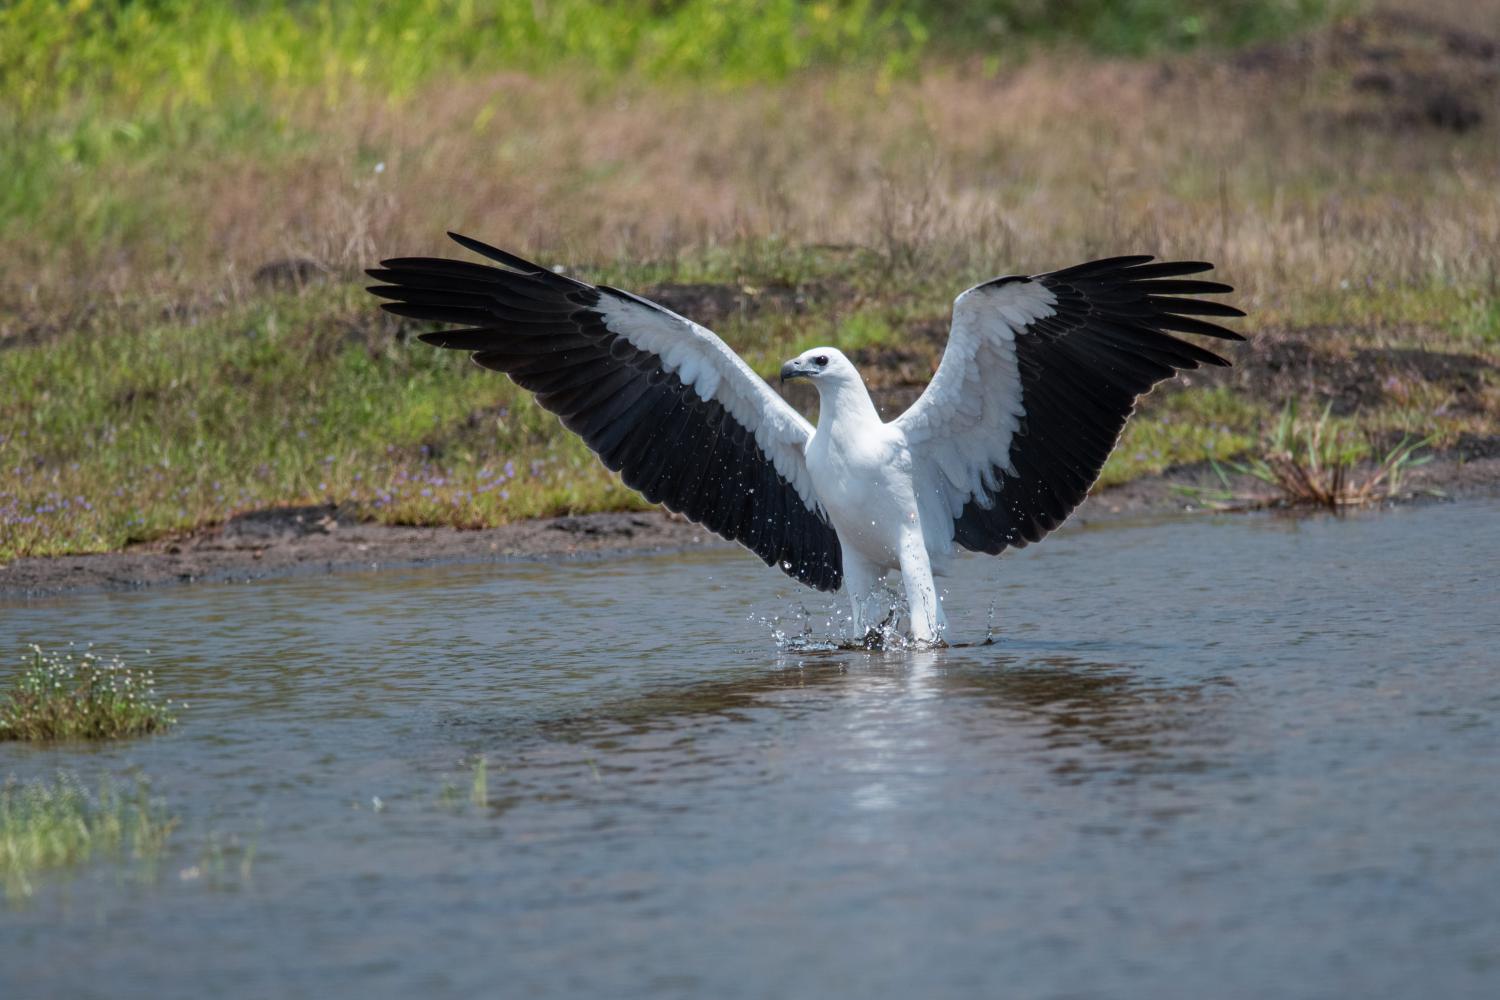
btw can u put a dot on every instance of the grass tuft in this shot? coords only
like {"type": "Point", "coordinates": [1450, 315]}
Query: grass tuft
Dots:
{"type": "Point", "coordinates": [224, 861]}
{"type": "Point", "coordinates": [62, 695]}
{"type": "Point", "coordinates": [479, 789]}
{"type": "Point", "coordinates": [48, 825]}
{"type": "Point", "coordinates": [452, 796]}
{"type": "Point", "coordinates": [1318, 463]}
{"type": "Point", "coordinates": [1323, 462]}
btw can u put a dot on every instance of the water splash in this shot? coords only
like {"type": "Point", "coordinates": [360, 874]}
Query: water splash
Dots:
{"type": "Point", "coordinates": [805, 633]}
{"type": "Point", "coordinates": [798, 636]}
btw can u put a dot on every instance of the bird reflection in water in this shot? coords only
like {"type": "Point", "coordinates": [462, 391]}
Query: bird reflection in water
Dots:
{"type": "Point", "coordinates": [1083, 719]}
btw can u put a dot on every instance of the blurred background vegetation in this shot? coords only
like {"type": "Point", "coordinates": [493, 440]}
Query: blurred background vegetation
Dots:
{"type": "Point", "coordinates": [188, 192]}
{"type": "Point", "coordinates": [149, 54]}
{"type": "Point", "coordinates": [91, 85]}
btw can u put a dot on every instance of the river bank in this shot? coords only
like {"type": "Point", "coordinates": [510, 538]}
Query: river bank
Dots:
{"type": "Point", "coordinates": [321, 539]}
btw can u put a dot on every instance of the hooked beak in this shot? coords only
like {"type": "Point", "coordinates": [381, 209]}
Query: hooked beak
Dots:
{"type": "Point", "coordinates": [791, 371]}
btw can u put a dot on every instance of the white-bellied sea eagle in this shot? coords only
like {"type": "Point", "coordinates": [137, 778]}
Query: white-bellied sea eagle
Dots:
{"type": "Point", "coordinates": [1034, 387]}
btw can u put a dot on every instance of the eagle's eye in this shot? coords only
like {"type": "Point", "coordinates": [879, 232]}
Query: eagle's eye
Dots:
{"type": "Point", "coordinates": [821, 360]}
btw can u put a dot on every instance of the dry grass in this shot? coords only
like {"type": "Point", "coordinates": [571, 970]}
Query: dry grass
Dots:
{"type": "Point", "coordinates": [961, 171]}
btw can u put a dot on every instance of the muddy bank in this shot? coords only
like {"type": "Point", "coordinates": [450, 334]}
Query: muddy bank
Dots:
{"type": "Point", "coordinates": [1275, 365]}
{"type": "Point", "coordinates": [294, 540]}
{"type": "Point", "coordinates": [313, 540]}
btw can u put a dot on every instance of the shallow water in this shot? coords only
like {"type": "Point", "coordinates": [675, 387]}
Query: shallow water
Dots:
{"type": "Point", "coordinates": [1230, 757]}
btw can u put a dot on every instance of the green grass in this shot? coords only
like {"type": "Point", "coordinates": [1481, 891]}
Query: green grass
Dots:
{"type": "Point", "coordinates": [1465, 314]}
{"type": "Point", "coordinates": [190, 53]}
{"type": "Point", "coordinates": [184, 53]}
{"type": "Point", "coordinates": [120, 435]}
{"type": "Point", "coordinates": [479, 786]}
{"type": "Point", "coordinates": [125, 432]}
{"type": "Point", "coordinates": [62, 695]}
{"type": "Point", "coordinates": [1181, 428]}
{"type": "Point", "coordinates": [50, 825]}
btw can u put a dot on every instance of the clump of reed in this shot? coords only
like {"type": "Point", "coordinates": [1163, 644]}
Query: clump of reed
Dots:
{"type": "Point", "coordinates": [1321, 462]}
{"type": "Point", "coordinates": [68, 695]}
{"type": "Point", "coordinates": [479, 786]}
{"type": "Point", "coordinates": [452, 797]}
{"type": "Point", "coordinates": [59, 823]}
{"type": "Point", "coordinates": [224, 861]}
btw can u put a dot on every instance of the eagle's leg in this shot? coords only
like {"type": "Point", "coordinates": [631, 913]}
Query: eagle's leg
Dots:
{"type": "Point", "coordinates": [927, 621]}
{"type": "Point", "coordinates": [867, 601]}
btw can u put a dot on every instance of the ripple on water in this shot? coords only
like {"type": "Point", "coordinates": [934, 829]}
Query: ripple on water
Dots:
{"type": "Point", "coordinates": [1224, 757]}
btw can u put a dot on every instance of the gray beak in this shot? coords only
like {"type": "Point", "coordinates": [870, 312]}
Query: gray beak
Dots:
{"type": "Point", "coordinates": [790, 371]}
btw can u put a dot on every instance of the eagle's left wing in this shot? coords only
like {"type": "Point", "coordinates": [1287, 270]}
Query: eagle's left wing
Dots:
{"type": "Point", "coordinates": [1036, 383]}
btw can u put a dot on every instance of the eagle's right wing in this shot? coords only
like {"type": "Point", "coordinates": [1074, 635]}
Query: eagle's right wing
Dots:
{"type": "Point", "coordinates": [660, 399]}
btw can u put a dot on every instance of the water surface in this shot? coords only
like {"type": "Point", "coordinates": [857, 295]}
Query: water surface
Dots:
{"type": "Point", "coordinates": [1230, 757]}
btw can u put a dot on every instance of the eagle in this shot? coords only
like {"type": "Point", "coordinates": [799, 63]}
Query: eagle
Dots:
{"type": "Point", "coordinates": [1035, 384]}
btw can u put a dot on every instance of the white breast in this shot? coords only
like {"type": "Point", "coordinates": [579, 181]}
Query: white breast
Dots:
{"type": "Point", "coordinates": [864, 481]}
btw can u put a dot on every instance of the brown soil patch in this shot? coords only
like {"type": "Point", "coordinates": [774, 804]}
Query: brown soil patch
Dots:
{"type": "Point", "coordinates": [1311, 363]}
{"type": "Point", "coordinates": [712, 304]}
{"type": "Point", "coordinates": [294, 540]}
{"type": "Point", "coordinates": [1386, 70]}
{"type": "Point", "coordinates": [314, 540]}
